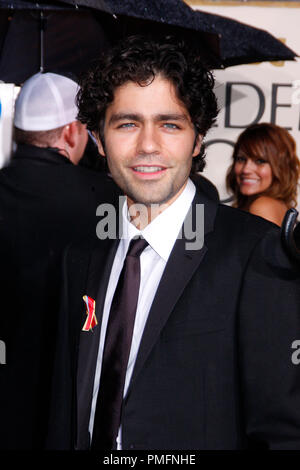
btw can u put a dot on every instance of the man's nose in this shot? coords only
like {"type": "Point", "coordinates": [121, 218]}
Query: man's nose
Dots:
{"type": "Point", "coordinates": [148, 140]}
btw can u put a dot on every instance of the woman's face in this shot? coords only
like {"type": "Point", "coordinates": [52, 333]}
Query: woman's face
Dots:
{"type": "Point", "coordinates": [253, 176]}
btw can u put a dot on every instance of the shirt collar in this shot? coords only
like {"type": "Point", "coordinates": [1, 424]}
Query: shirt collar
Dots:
{"type": "Point", "coordinates": [162, 232]}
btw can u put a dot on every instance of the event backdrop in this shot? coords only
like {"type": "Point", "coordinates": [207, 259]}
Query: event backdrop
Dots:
{"type": "Point", "coordinates": [265, 92]}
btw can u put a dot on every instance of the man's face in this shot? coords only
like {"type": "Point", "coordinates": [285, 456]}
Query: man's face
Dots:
{"type": "Point", "coordinates": [149, 142]}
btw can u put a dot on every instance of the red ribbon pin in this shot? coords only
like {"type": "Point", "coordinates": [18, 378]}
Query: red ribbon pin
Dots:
{"type": "Point", "coordinates": [91, 320]}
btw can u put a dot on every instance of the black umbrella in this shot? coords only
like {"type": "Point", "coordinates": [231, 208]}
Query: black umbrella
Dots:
{"type": "Point", "coordinates": [47, 37]}
{"type": "Point", "coordinates": [238, 43]}
{"type": "Point", "coordinates": [65, 36]}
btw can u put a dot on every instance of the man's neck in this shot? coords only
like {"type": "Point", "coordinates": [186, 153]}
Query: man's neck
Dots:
{"type": "Point", "coordinates": [142, 215]}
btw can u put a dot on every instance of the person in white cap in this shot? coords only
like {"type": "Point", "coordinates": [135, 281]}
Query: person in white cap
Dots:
{"type": "Point", "coordinates": [45, 116]}
{"type": "Point", "coordinates": [47, 201]}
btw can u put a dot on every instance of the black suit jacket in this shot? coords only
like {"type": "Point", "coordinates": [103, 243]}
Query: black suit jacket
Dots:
{"type": "Point", "coordinates": [45, 204]}
{"type": "Point", "coordinates": [214, 368]}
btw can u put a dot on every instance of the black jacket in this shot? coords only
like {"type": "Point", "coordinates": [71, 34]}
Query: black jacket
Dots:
{"type": "Point", "coordinates": [45, 203]}
{"type": "Point", "coordinates": [214, 368]}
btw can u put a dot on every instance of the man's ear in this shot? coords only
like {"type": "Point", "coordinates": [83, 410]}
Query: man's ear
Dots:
{"type": "Point", "coordinates": [70, 132]}
{"type": "Point", "coordinates": [99, 145]}
{"type": "Point", "coordinates": [197, 145]}
{"type": "Point", "coordinates": [101, 148]}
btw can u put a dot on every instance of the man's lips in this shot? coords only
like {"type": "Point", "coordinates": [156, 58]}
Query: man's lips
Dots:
{"type": "Point", "coordinates": [148, 170]}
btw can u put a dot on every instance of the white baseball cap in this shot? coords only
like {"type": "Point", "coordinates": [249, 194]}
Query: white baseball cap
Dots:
{"type": "Point", "coordinates": [46, 101]}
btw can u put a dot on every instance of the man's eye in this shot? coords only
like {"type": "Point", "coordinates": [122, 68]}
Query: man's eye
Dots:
{"type": "Point", "coordinates": [170, 125]}
{"type": "Point", "coordinates": [126, 125]}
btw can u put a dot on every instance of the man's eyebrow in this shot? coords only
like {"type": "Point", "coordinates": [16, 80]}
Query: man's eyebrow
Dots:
{"type": "Point", "coordinates": [125, 116]}
{"type": "Point", "coordinates": [139, 118]}
{"type": "Point", "coordinates": [171, 117]}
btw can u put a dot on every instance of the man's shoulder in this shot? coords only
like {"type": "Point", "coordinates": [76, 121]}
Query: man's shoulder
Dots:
{"type": "Point", "coordinates": [238, 220]}
{"type": "Point", "coordinates": [242, 230]}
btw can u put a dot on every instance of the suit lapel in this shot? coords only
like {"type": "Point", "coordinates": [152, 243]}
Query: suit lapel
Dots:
{"type": "Point", "coordinates": [180, 268]}
{"type": "Point", "coordinates": [102, 258]}
{"type": "Point", "coordinates": [89, 270]}
{"type": "Point", "coordinates": [101, 261]}
{"type": "Point", "coordinates": [100, 265]}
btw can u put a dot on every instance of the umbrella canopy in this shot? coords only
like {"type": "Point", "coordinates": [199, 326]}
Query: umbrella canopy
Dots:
{"type": "Point", "coordinates": [65, 36]}
{"type": "Point", "coordinates": [238, 43]}
{"type": "Point", "coordinates": [47, 37]}
{"type": "Point", "coordinates": [243, 44]}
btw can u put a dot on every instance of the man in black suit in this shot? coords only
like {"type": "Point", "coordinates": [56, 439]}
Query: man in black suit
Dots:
{"type": "Point", "coordinates": [46, 201]}
{"type": "Point", "coordinates": [219, 302]}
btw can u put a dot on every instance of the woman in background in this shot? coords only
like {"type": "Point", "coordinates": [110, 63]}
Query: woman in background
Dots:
{"type": "Point", "coordinates": [265, 170]}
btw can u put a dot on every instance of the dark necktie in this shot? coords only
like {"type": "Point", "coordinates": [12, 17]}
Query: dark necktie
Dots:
{"type": "Point", "coordinates": [116, 350]}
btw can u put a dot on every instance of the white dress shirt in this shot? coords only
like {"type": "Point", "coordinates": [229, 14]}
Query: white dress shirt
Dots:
{"type": "Point", "coordinates": [161, 235]}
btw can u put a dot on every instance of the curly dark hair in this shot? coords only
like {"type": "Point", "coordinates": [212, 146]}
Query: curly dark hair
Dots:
{"type": "Point", "coordinates": [139, 59]}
